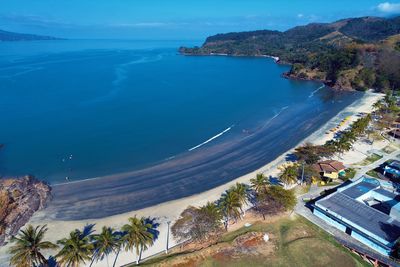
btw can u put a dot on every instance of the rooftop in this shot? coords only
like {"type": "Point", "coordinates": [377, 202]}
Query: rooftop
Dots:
{"type": "Point", "coordinates": [370, 219]}
{"type": "Point", "coordinates": [329, 166]}
{"type": "Point", "coordinates": [395, 164]}
{"type": "Point", "coordinates": [358, 189]}
{"type": "Point", "coordinates": [366, 206]}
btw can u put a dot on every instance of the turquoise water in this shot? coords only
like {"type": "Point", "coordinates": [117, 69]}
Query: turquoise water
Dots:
{"type": "Point", "coordinates": [82, 109]}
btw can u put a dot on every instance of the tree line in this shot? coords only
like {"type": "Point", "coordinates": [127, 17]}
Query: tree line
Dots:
{"type": "Point", "coordinates": [195, 223]}
{"type": "Point", "coordinates": [82, 246]}
{"type": "Point", "coordinates": [209, 221]}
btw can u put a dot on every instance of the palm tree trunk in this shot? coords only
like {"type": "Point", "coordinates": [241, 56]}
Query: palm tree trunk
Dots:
{"type": "Point", "coordinates": [241, 213]}
{"type": "Point", "coordinates": [108, 265]}
{"type": "Point", "coordinates": [140, 255]}
{"type": "Point", "coordinates": [116, 256]}
{"type": "Point", "coordinates": [93, 258]}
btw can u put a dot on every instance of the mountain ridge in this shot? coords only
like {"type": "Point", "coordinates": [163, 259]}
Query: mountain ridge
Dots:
{"type": "Point", "coordinates": [7, 36]}
{"type": "Point", "coordinates": [352, 53]}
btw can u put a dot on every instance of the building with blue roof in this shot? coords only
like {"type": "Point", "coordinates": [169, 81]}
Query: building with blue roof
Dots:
{"type": "Point", "coordinates": [393, 168]}
{"type": "Point", "coordinates": [368, 210]}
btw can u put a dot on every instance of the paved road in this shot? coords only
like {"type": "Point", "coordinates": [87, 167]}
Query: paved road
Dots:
{"type": "Point", "coordinates": [362, 170]}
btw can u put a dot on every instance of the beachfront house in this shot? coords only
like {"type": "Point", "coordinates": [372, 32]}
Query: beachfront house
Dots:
{"type": "Point", "coordinates": [368, 210]}
{"type": "Point", "coordinates": [329, 169]}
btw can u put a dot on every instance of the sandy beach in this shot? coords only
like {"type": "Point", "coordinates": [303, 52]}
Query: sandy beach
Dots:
{"type": "Point", "coordinates": [169, 211]}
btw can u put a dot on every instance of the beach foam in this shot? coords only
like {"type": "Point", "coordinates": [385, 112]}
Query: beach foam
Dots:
{"type": "Point", "coordinates": [212, 138]}
{"type": "Point", "coordinates": [315, 91]}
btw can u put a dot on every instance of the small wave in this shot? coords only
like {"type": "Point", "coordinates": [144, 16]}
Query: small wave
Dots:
{"type": "Point", "coordinates": [121, 74]}
{"type": "Point", "coordinates": [212, 138]}
{"type": "Point", "coordinates": [275, 116]}
{"type": "Point", "coordinates": [169, 158]}
{"type": "Point", "coordinates": [25, 71]}
{"type": "Point", "coordinates": [316, 90]}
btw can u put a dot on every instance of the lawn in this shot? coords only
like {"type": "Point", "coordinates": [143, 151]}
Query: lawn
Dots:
{"type": "Point", "coordinates": [350, 173]}
{"type": "Point", "coordinates": [373, 173]}
{"type": "Point", "coordinates": [293, 242]}
{"type": "Point", "coordinates": [389, 149]}
{"type": "Point", "coordinates": [370, 159]}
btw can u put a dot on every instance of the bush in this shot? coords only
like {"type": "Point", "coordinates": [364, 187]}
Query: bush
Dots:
{"type": "Point", "coordinates": [275, 200]}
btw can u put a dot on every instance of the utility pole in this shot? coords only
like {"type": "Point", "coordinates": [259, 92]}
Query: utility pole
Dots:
{"type": "Point", "coordinates": [166, 248]}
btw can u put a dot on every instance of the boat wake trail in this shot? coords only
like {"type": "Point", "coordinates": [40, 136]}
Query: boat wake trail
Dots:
{"type": "Point", "coordinates": [24, 70]}
{"type": "Point", "coordinates": [274, 117]}
{"type": "Point", "coordinates": [212, 138]}
{"type": "Point", "coordinates": [315, 91]}
{"type": "Point", "coordinates": [121, 74]}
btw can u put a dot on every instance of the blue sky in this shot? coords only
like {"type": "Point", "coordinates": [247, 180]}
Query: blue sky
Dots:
{"type": "Point", "coordinates": [175, 19]}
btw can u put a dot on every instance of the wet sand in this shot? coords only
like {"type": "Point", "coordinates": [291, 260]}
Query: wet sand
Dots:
{"type": "Point", "coordinates": [193, 172]}
{"type": "Point", "coordinates": [167, 211]}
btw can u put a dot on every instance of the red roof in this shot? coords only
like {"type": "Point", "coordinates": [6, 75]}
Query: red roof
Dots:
{"type": "Point", "coordinates": [329, 166]}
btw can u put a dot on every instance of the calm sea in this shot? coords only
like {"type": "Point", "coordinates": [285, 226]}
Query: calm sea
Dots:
{"type": "Point", "coordinates": [83, 109]}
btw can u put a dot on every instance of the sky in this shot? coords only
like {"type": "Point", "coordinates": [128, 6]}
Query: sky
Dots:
{"type": "Point", "coordinates": [175, 19]}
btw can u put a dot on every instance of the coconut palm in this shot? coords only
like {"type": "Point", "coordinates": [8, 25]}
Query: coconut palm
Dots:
{"type": "Point", "coordinates": [28, 247]}
{"type": "Point", "coordinates": [378, 106]}
{"type": "Point", "coordinates": [76, 249]}
{"type": "Point", "coordinates": [259, 183]}
{"type": "Point", "coordinates": [212, 215]}
{"type": "Point", "coordinates": [140, 234]}
{"type": "Point", "coordinates": [121, 244]}
{"type": "Point", "coordinates": [105, 243]}
{"type": "Point", "coordinates": [230, 206]}
{"type": "Point", "coordinates": [242, 193]}
{"type": "Point", "coordinates": [289, 175]}
{"type": "Point", "coordinates": [212, 211]}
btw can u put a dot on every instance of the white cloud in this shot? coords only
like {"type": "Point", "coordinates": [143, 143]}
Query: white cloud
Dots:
{"type": "Point", "coordinates": [142, 25]}
{"type": "Point", "coordinates": [387, 7]}
{"type": "Point", "coordinates": [300, 15]}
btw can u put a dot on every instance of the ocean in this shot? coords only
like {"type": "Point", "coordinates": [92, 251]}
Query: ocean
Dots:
{"type": "Point", "coordinates": [73, 110]}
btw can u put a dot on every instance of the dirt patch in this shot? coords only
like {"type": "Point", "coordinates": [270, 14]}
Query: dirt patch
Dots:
{"type": "Point", "coordinates": [292, 242]}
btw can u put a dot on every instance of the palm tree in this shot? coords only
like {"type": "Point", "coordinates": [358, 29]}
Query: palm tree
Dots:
{"type": "Point", "coordinates": [241, 191]}
{"type": "Point", "coordinates": [378, 106]}
{"type": "Point", "coordinates": [289, 175]}
{"type": "Point", "coordinates": [140, 234]}
{"type": "Point", "coordinates": [121, 243]}
{"type": "Point", "coordinates": [211, 209]}
{"type": "Point", "coordinates": [105, 243]}
{"type": "Point", "coordinates": [28, 245]}
{"type": "Point", "coordinates": [76, 249]}
{"type": "Point", "coordinates": [230, 206]}
{"type": "Point", "coordinates": [259, 183]}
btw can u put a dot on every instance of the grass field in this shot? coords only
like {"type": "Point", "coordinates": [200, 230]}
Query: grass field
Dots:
{"type": "Point", "coordinates": [293, 242]}
{"type": "Point", "coordinates": [350, 173]}
{"type": "Point", "coordinates": [370, 159]}
{"type": "Point", "coordinates": [389, 149]}
{"type": "Point", "coordinates": [373, 173]}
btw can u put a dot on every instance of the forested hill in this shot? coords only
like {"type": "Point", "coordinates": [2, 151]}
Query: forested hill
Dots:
{"type": "Point", "coordinates": [12, 36]}
{"type": "Point", "coordinates": [356, 53]}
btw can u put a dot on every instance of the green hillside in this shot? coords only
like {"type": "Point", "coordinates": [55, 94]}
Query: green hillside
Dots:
{"type": "Point", "coordinates": [357, 53]}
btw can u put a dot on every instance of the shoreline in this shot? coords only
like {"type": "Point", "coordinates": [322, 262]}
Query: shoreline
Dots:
{"type": "Point", "coordinates": [276, 59]}
{"type": "Point", "coordinates": [170, 210]}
